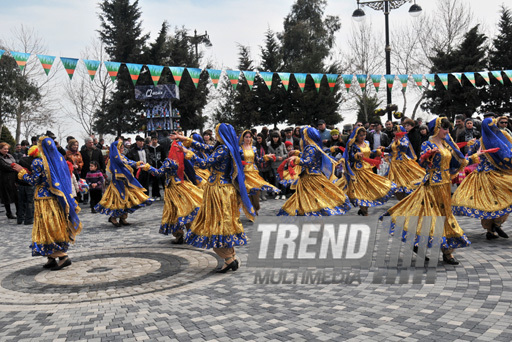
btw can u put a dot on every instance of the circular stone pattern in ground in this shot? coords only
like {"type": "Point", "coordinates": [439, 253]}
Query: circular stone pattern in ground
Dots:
{"type": "Point", "coordinates": [94, 276]}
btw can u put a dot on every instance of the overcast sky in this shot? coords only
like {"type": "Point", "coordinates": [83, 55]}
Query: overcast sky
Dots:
{"type": "Point", "coordinates": [68, 26]}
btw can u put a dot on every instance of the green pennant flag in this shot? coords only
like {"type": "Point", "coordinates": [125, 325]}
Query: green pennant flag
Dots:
{"type": "Point", "coordinates": [497, 75]}
{"type": "Point", "coordinates": [134, 70]}
{"type": "Point", "coordinates": [301, 80]}
{"type": "Point", "coordinates": [485, 76]}
{"type": "Point", "coordinates": [347, 79]}
{"type": "Point", "coordinates": [1, 53]}
{"type": "Point", "coordinates": [46, 62]}
{"type": "Point", "coordinates": [249, 77]}
{"type": "Point", "coordinates": [431, 78]}
{"type": "Point", "coordinates": [361, 79]}
{"type": "Point", "coordinates": [112, 69]}
{"type": "Point", "coordinates": [509, 74]}
{"type": "Point", "coordinates": [92, 66]}
{"type": "Point", "coordinates": [285, 79]}
{"type": "Point", "coordinates": [69, 65]}
{"type": "Point", "coordinates": [458, 76]}
{"type": "Point", "coordinates": [444, 79]}
{"type": "Point", "coordinates": [390, 80]}
{"type": "Point", "coordinates": [418, 79]}
{"type": "Point", "coordinates": [332, 79]}
{"type": "Point", "coordinates": [267, 78]}
{"type": "Point", "coordinates": [195, 74]}
{"type": "Point", "coordinates": [21, 58]}
{"type": "Point", "coordinates": [233, 76]}
{"type": "Point", "coordinates": [156, 72]}
{"type": "Point", "coordinates": [214, 76]}
{"type": "Point", "coordinates": [471, 78]}
{"type": "Point", "coordinates": [177, 73]}
{"type": "Point", "coordinates": [317, 78]}
{"type": "Point", "coordinates": [376, 81]}
{"type": "Point", "coordinates": [403, 79]}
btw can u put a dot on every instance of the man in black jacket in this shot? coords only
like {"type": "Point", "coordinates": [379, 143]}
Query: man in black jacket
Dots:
{"type": "Point", "coordinates": [25, 195]}
{"type": "Point", "coordinates": [414, 136]}
{"type": "Point", "coordinates": [139, 152]}
{"type": "Point", "coordinates": [378, 138]}
{"type": "Point", "coordinates": [155, 159]}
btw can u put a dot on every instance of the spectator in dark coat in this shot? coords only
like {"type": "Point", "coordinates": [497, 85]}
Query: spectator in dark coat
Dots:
{"type": "Point", "coordinates": [165, 142]}
{"type": "Point", "coordinates": [378, 138]}
{"type": "Point", "coordinates": [8, 191]}
{"type": "Point", "coordinates": [288, 136]}
{"type": "Point", "coordinates": [413, 134]}
{"type": "Point", "coordinates": [139, 152]}
{"type": "Point", "coordinates": [469, 133]}
{"type": "Point", "coordinates": [156, 158]}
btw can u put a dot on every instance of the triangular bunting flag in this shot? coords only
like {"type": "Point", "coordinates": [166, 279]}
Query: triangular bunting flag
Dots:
{"type": "Point", "coordinates": [21, 58]}
{"type": "Point", "coordinates": [195, 74]}
{"type": "Point", "coordinates": [497, 75]}
{"type": "Point", "coordinates": [444, 79]}
{"type": "Point", "coordinates": [301, 80]}
{"type": "Point", "coordinates": [177, 72]}
{"type": "Point", "coordinates": [233, 76]}
{"type": "Point", "coordinates": [249, 77]}
{"type": "Point", "coordinates": [92, 66]}
{"type": "Point", "coordinates": [431, 78]}
{"type": "Point", "coordinates": [471, 77]}
{"type": "Point", "coordinates": [69, 65]}
{"type": "Point", "coordinates": [347, 79]}
{"type": "Point", "coordinates": [376, 81]}
{"type": "Point", "coordinates": [509, 74]}
{"type": "Point", "coordinates": [46, 62]}
{"type": "Point", "coordinates": [134, 70]}
{"type": "Point", "coordinates": [458, 76]}
{"type": "Point", "coordinates": [214, 76]}
{"type": "Point", "coordinates": [1, 53]}
{"type": "Point", "coordinates": [331, 79]}
{"type": "Point", "coordinates": [317, 78]}
{"type": "Point", "coordinates": [390, 79]}
{"type": "Point", "coordinates": [267, 77]}
{"type": "Point", "coordinates": [403, 79]}
{"type": "Point", "coordinates": [112, 69]}
{"type": "Point", "coordinates": [156, 72]}
{"type": "Point", "coordinates": [285, 79]}
{"type": "Point", "coordinates": [361, 79]}
{"type": "Point", "coordinates": [485, 76]}
{"type": "Point", "coordinates": [418, 79]}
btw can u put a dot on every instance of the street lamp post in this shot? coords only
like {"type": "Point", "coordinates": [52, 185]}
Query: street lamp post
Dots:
{"type": "Point", "coordinates": [201, 39]}
{"type": "Point", "coordinates": [386, 6]}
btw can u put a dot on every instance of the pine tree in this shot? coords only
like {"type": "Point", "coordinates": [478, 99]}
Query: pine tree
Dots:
{"type": "Point", "coordinates": [271, 59]}
{"type": "Point", "coordinates": [469, 56]}
{"type": "Point", "coordinates": [500, 95]}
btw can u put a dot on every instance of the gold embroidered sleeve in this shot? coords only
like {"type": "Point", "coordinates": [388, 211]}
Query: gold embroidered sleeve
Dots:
{"type": "Point", "coordinates": [187, 142]}
{"type": "Point", "coordinates": [21, 174]}
{"type": "Point", "coordinates": [189, 155]}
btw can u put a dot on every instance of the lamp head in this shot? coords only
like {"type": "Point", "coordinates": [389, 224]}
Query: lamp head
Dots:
{"type": "Point", "coordinates": [358, 15]}
{"type": "Point", "coordinates": [415, 10]}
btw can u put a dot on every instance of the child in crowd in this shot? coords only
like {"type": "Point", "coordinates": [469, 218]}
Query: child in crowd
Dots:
{"type": "Point", "coordinates": [96, 184]}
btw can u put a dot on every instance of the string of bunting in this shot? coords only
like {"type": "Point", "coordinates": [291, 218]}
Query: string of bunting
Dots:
{"type": "Point", "coordinates": [235, 76]}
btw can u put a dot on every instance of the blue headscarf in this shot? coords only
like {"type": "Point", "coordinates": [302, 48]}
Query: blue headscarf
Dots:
{"type": "Point", "coordinates": [226, 135]}
{"type": "Point", "coordinates": [493, 137]}
{"type": "Point", "coordinates": [410, 151]}
{"type": "Point", "coordinates": [119, 170]}
{"type": "Point", "coordinates": [198, 138]}
{"type": "Point", "coordinates": [346, 155]}
{"type": "Point", "coordinates": [59, 179]}
{"type": "Point", "coordinates": [310, 136]}
{"type": "Point", "coordinates": [458, 162]}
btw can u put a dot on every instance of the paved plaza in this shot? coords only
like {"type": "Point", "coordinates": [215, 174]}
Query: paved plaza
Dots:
{"type": "Point", "coordinates": [132, 284]}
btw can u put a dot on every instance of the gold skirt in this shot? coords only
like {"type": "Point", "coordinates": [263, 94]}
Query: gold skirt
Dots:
{"type": "Point", "coordinates": [432, 201]}
{"type": "Point", "coordinates": [406, 174]}
{"type": "Point", "coordinates": [484, 195]}
{"type": "Point", "coordinates": [218, 224]}
{"type": "Point", "coordinates": [315, 195]}
{"type": "Point", "coordinates": [114, 205]}
{"type": "Point", "coordinates": [182, 202]}
{"type": "Point", "coordinates": [254, 183]}
{"type": "Point", "coordinates": [52, 231]}
{"type": "Point", "coordinates": [203, 173]}
{"type": "Point", "coordinates": [369, 189]}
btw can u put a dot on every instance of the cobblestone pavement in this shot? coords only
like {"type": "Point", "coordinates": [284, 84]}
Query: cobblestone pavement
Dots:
{"type": "Point", "coordinates": [132, 284]}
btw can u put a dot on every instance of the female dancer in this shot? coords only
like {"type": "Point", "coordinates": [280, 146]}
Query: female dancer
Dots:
{"type": "Point", "coordinates": [364, 188]}
{"type": "Point", "coordinates": [202, 175]}
{"type": "Point", "coordinates": [218, 224]}
{"type": "Point", "coordinates": [56, 221]}
{"type": "Point", "coordinates": [316, 194]}
{"type": "Point", "coordinates": [124, 194]}
{"type": "Point", "coordinates": [404, 171]}
{"type": "Point", "coordinates": [253, 181]}
{"type": "Point", "coordinates": [442, 159]}
{"type": "Point", "coordinates": [494, 175]}
{"type": "Point", "coordinates": [182, 197]}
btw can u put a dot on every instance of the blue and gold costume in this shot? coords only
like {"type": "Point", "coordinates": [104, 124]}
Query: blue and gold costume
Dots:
{"type": "Point", "coordinates": [316, 194]}
{"type": "Point", "coordinates": [433, 197]}
{"type": "Point", "coordinates": [404, 171]}
{"type": "Point", "coordinates": [218, 224]}
{"type": "Point", "coordinates": [56, 221]}
{"type": "Point", "coordinates": [201, 174]}
{"type": "Point", "coordinates": [364, 188]}
{"type": "Point", "coordinates": [124, 194]}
